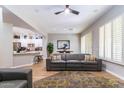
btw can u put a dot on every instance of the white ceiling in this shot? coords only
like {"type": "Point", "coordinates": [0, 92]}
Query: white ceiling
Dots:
{"type": "Point", "coordinates": [43, 15]}
{"type": "Point", "coordinates": [69, 23]}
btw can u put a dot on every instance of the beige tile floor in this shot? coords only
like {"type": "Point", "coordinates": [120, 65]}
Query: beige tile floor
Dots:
{"type": "Point", "coordinates": [39, 71]}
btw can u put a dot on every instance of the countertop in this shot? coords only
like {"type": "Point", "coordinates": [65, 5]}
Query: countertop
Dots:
{"type": "Point", "coordinates": [27, 53]}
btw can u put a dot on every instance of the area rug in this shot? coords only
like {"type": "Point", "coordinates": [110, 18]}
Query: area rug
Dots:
{"type": "Point", "coordinates": [77, 79]}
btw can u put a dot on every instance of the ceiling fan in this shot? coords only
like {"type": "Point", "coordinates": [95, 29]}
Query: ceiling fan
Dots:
{"type": "Point", "coordinates": [68, 10]}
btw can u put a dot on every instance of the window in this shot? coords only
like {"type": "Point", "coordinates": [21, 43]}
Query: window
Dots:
{"type": "Point", "coordinates": [117, 39]}
{"type": "Point", "coordinates": [110, 40]}
{"type": "Point", "coordinates": [101, 42]}
{"type": "Point", "coordinates": [108, 37]}
{"type": "Point", "coordinates": [86, 43]}
{"type": "Point", "coordinates": [83, 44]}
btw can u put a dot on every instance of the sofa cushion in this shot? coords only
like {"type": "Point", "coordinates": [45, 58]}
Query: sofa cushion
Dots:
{"type": "Point", "coordinates": [89, 62]}
{"type": "Point", "coordinates": [0, 77]}
{"type": "Point", "coordinates": [74, 65]}
{"type": "Point", "coordinates": [73, 61]}
{"type": "Point", "coordinates": [83, 61]}
{"type": "Point", "coordinates": [75, 56]}
{"type": "Point", "coordinates": [63, 56]}
{"type": "Point", "coordinates": [13, 84]}
{"type": "Point", "coordinates": [58, 61]}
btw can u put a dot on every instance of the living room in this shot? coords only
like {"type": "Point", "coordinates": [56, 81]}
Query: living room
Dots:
{"type": "Point", "coordinates": [91, 43]}
{"type": "Point", "coordinates": [61, 46]}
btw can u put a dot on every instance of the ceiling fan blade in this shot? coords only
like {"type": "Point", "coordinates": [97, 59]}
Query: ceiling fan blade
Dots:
{"type": "Point", "coordinates": [74, 11]}
{"type": "Point", "coordinates": [58, 12]}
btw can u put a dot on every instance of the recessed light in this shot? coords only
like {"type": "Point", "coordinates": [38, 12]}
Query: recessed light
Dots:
{"type": "Point", "coordinates": [54, 29]}
{"type": "Point", "coordinates": [96, 10]}
{"type": "Point", "coordinates": [70, 28]}
{"type": "Point", "coordinates": [64, 29]}
{"type": "Point", "coordinates": [36, 10]}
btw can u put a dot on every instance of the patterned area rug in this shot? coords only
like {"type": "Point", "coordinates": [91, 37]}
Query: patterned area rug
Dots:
{"type": "Point", "coordinates": [77, 79]}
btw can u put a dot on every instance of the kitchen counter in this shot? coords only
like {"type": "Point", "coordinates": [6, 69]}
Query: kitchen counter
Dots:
{"type": "Point", "coordinates": [27, 53]}
{"type": "Point", "coordinates": [24, 58]}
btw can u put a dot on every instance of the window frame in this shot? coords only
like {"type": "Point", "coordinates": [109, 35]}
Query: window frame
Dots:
{"type": "Point", "coordinates": [112, 60]}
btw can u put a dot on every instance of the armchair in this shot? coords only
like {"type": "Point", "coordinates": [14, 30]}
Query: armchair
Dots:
{"type": "Point", "coordinates": [15, 78]}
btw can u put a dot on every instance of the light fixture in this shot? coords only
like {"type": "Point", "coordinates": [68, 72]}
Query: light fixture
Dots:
{"type": "Point", "coordinates": [65, 29]}
{"type": "Point", "coordinates": [96, 10]}
{"type": "Point", "coordinates": [54, 29]}
{"type": "Point", "coordinates": [70, 29]}
{"type": "Point", "coordinates": [67, 11]}
{"type": "Point", "coordinates": [36, 10]}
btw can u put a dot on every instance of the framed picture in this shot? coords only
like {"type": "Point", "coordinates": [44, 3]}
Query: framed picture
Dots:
{"type": "Point", "coordinates": [16, 45]}
{"type": "Point", "coordinates": [31, 46]}
{"type": "Point", "coordinates": [63, 44]}
{"type": "Point", "coordinates": [16, 36]}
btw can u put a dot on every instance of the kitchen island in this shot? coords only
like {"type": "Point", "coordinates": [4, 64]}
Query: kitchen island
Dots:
{"type": "Point", "coordinates": [24, 58]}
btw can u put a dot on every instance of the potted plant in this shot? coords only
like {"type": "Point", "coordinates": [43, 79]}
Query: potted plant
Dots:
{"type": "Point", "coordinates": [50, 48]}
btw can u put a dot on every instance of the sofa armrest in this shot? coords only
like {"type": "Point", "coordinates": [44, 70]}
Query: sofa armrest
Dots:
{"type": "Point", "coordinates": [17, 74]}
{"type": "Point", "coordinates": [48, 61]}
{"type": "Point", "coordinates": [99, 64]}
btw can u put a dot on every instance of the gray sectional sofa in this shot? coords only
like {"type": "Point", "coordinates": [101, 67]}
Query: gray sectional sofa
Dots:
{"type": "Point", "coordinates": [73, 62]}
{"type": "Point", "coordinates": [15, 78]}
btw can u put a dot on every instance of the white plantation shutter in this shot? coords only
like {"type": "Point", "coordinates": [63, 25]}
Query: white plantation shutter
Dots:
{"type": "Point", "coordinates": [101, 42]}
{"type": "Point", "coordinates": [88, 44]}
{"type": "Point", "coordinates": [83, 44]}
{"type": "Point", "coordinates": [110, 40]}
{"type": "Point", "coordinates": [108, 37]}
{"type": "Point", "coordinates": [117, 39]}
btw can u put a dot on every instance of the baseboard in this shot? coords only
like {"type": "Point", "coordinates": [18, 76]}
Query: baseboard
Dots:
{"type": "Point", "coordinates": [22, 65]}
{"type": "Point", "coordinates": [114, 74]}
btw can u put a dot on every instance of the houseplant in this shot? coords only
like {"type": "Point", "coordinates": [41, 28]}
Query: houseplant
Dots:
{"type": "Point", "coordinates": [50, 48]}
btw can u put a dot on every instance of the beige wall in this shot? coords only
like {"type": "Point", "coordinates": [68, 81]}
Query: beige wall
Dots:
{"type": "Point", "coordinates": [74, 41]}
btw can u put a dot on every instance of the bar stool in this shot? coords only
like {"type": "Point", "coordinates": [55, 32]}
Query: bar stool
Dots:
{"type": "Point", "coordinates": [37, 59]}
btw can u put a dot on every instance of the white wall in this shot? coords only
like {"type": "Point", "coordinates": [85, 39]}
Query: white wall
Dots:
{"type": "Point", "coordinates": [6, 48]}
{"type": "Point", "coordinates": [74, 41]}
{"type": "Point", "coordinates": [20, 60]}
{"type": "Point", "coordinates": [45, 40]}
{"type": "Point", "coordinates": [1, 29]}
{"type": "Point", "coordinates": [113, 68]}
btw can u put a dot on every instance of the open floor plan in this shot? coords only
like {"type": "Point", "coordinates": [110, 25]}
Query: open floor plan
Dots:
{"type": "Point", "coordinates": [61, 46]}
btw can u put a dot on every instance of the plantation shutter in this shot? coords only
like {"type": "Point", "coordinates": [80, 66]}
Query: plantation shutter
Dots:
{"type": "Point", "coordinates": [117, 39]}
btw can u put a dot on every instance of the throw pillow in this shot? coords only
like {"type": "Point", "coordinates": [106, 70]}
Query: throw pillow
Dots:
{"type": "Point", "coordinates": [87, 57]}
{"type": "Point", "coordinates": [53, 57]}
{"type": "Point", "coordinates": [56, 57]}
{"type": "Point", "coordinates": [92, 58]}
